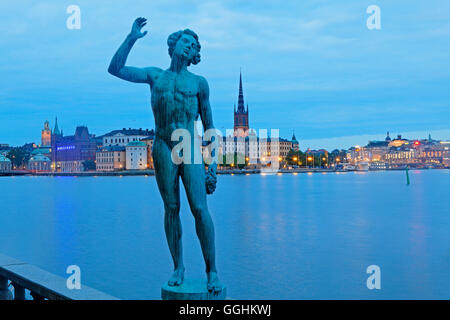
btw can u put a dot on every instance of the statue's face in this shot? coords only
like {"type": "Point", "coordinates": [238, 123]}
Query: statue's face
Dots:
{"type": "Point", "coordinates": [186, 47]}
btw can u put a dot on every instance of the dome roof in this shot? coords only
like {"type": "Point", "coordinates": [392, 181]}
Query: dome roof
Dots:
{"type": "Point", "coordinates": [39, 158]}
{"type": "Point", "coordinates": [4, 159]}
{"type": "Point", "coordinates": [387, 137]}
{"type": "Point", "coordinates": [41, 150]}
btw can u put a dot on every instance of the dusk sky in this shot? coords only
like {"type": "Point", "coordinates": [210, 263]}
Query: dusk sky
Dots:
{"type": "Point", "coordinates": [309, 66]}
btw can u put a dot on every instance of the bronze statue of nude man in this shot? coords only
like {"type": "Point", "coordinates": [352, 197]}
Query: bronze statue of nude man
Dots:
{"type": "Point", "coordinates": [178, 97]}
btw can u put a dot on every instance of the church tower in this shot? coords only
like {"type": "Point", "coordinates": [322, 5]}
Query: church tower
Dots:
{"type": "Point", "coordinates": [295, 144]}
{"type": "Point", "coordinates": [241, 114]}
{"type": "Point", "coordinates": [46, 135]}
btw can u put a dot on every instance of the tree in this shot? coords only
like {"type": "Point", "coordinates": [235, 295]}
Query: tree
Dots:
{"type": "Point", "coordinates": [19, 157]}
{"type": "Point", "coordinates": [296, 158]}
{"type": "Point", "coordinates": [238, 160]}
{"type": "Point", "coordinates": [89, 165]}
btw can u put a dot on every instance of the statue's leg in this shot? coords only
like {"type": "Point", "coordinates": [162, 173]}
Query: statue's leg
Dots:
{"type": "Point", "coordinates": [193, 176]}
{"type": "Point", "coordinates": [167, 177]}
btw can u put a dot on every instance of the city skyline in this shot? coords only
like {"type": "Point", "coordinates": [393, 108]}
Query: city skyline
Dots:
{"type": "Point", "coordinates": [325, 75]}
{"type": "Point", "coordinates": [313, 144]}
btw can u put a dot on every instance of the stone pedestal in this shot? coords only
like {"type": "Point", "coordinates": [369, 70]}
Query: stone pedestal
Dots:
{"type": "Point", "coordinates": [191, 289]}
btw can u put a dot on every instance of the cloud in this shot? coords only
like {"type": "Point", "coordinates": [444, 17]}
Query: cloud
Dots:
{"type": "Point", "coordinates": [309, 65]}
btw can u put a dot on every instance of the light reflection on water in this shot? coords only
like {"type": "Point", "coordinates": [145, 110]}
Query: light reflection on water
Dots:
{"type": "Point", "coordinates": [283, 236]}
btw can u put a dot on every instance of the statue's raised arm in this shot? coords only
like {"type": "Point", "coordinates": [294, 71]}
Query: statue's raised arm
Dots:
{"type": "Point", "coordinates": [117, 66]}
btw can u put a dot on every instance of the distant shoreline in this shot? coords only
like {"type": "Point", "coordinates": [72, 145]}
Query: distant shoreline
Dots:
{"type": "Point", "coordinates": [219, 172]}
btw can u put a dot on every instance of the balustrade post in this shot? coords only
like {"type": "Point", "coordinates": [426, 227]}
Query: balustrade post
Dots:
{"type": "Point", "coordinates": [36, 296]}
{"type": "Point", "coordinates": [5, 294]}
{"type": "Point", "coordinates": [19, 292]}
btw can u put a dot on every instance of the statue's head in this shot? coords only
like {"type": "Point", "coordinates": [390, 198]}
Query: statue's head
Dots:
{"type": "Point", "coordinates": [185, 43]}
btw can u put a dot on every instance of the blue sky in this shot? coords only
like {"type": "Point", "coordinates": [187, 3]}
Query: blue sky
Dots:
{"type": "Point", "coordinates": [309, 66]}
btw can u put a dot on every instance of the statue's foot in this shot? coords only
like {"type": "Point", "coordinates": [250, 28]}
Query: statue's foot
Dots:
{"type": "Point", "coordinates": [177, 278]}
{"type": "Point", "coordinates": [214, 285]}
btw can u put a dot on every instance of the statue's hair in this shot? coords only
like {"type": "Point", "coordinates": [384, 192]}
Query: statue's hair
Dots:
{"type": "Point", "coordinates": [173, 39]}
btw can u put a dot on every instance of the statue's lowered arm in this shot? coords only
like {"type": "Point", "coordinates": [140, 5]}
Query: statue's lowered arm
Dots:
{"type": "Point", "coordinates": [207, 120]}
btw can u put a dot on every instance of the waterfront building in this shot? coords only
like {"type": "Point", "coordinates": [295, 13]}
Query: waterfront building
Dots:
{"type": "Point", "coordinates": [125, 136]}
{"type": "Point", "coordinates": [435, 153]}
{"type": "Point", "coordinates": [377, 150]}
{"type": "Point", "coordinates": [5, 163]}
{"type": "Point", "coordinates": [4, 149]}
{"type": "Point", "coordinates": [45, 151]}
{"type": "Point", "coordinates": [70, 153]}
{"type": "Point", "coordinates": [149, 142]}
{"type": "Point", "coordinates": [111, 158]}
{"type": "Point", "coordinates": [378, 165]}
{"type": "Point", "coordinates": [255, 150]}
{"type": "Point", "coordinates": [416, 153]}
{"type": "Point", "coordinates": [358, 154]}
{"type": "Point", "coordinates": [398, 142]}
{"type": "Point", "coordinates": [136, 155]}
{"type": "Point", "coordinates": [404, 154]}
{"type": "Point", "coordinates": [241, 125]}
{"type": "Point", "coordinates": [46, 135]}
{"type": "Point", "coordinates": [39, 163]}
{"type": "Point", "coordinates": [446, 153]}
{"type": "Point", "coordinates": [285, 147]}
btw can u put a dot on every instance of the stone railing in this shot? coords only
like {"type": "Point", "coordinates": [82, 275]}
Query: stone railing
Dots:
{"type": "Point", "coordinates": [40, 284]}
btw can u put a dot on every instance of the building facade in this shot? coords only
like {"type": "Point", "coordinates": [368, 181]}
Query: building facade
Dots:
{"type": "Point", "coordinates": [69, 153]}
{"type": "Point", "coordinates": [112, 158]}
{"type": "Point", "coordinates": [123, 137]}
{"type": "Point", "coordinates": [39, 163]}
{"type": "Point", "coordinates": [136, 156]}
{"type": "Point", "coordinates": [5, 163]}
{"type": "Point", "coordinates": [149, 142]}
{"type": "Point", "coordinates": [255, 150]}
{"type": "Point", "coordinates": [46, 135]}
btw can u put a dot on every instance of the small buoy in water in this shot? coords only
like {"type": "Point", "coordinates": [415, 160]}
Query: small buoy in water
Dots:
{"type": "Point", "coordinates": [407, 175]}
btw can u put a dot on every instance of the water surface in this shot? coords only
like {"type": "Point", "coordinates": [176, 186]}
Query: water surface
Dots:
{"type": "Point", "coordinates": [304, 236]}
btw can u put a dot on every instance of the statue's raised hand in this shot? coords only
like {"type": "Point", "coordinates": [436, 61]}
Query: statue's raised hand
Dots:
{"type": "Point", "coordinates": [138, 24]}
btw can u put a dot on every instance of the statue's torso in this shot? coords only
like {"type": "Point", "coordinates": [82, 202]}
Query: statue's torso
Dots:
{"type": "Point", "coordinates": [174, 102]}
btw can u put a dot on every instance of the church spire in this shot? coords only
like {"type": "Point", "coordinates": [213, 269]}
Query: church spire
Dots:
{"type": "Point", "coordinates": [241, 107]}
{"type": "Point", "coordinates": [56, 130]}
{"type": "Point", "coordinates": [293, 136]}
